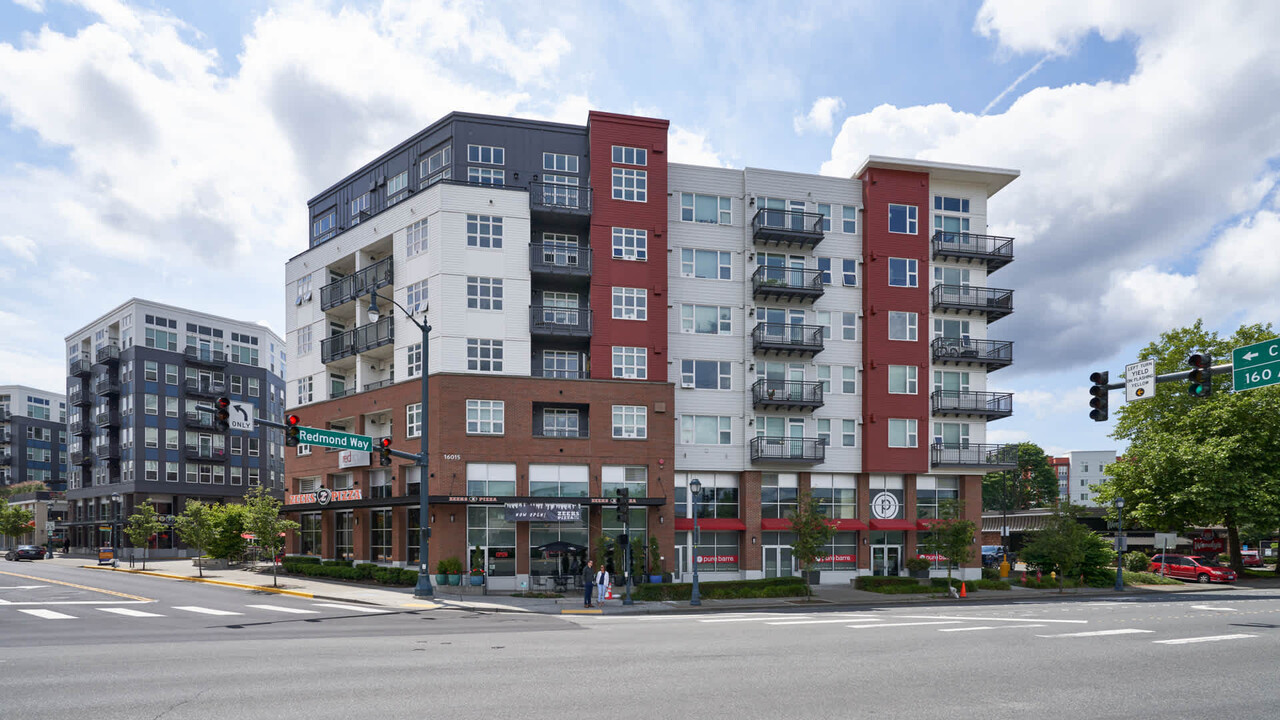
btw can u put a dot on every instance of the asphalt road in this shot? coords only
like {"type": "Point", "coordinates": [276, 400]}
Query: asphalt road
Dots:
{"type": "Point", "coordinates": [1191, 655]}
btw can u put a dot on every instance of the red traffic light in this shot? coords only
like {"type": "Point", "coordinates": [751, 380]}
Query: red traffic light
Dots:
{"type": "Point", "coordinates": [292, 420]}
{"type": "Point", "coordinates": [223, 403]}
{"type": "Point", "coordinates": [385, 443]}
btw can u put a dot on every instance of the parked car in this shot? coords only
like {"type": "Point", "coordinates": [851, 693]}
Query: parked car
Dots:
{"type": "Point", "coordinates": [1250, 558]}
{"type": "Point", "coordinates": [1192, 567]}
{"type": "Point", "coordinates": [25, 552]}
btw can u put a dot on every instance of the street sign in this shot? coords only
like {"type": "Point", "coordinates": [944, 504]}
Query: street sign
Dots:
{"type": "Point", "coordinates": [1256, 365]}
{"type": "Point", "coordinates": [1166, 541]}
{"type": "Point", "coordinates": [334, 439]}
{"type": "Point", "coordinates": [1140, 380]}
{"type": "Point", "coordinates": [242, 415]}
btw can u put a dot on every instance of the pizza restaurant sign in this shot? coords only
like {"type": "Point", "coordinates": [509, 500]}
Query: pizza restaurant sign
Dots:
{"type": "Point", "coordinates": [323, 496]}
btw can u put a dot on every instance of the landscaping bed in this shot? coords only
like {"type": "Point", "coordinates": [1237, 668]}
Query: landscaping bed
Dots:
{"type": "Point", "coordinates": [730, 590]}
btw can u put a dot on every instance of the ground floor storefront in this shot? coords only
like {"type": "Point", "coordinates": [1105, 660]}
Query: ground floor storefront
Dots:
{"type": "Point", "coordinates": [99, 522]}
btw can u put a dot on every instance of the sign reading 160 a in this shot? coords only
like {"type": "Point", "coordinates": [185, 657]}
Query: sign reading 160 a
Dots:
{"type": "Point", "coordinates": [1256, 365]}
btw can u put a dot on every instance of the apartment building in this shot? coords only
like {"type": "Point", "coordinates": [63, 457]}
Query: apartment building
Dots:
{"type": "Point", "coordinates": [765, 333]}
{"type": "Point", "coordinates": [135, 377]}
{"type": "Point", "coordinates": [1079, 472]}
{"type": "Point", "coordinates": [33, 437]}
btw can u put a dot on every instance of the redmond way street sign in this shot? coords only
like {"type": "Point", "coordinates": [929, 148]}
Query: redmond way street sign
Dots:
{"type": "Point", "coordinates": [334, 439]}
{"type": "Point", "coordinates": [1256, 365]}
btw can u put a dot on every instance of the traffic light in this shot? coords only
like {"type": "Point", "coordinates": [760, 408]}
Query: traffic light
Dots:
{"type": "Point", "coordinates": [1099, 392]}
{"type": "Point", "coordinates": [291, 431]}
{"type": "Point", "coordinates": [1199, 381]}
{"type": "Point", "coordinates": [623, 542]}
{"type": "Point", "coordinates": [222, 414]}
{"type": "Point", "coordinates": [384, 451]}
{"type": "Point", "coordinates": [624, 501]}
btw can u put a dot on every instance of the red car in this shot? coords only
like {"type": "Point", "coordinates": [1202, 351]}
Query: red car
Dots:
{"type": "Point", "coordinates": [1192, 567]}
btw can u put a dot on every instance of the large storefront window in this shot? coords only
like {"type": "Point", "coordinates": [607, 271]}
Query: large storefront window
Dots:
{"type": "Point", "coordinates": [559, 481]}
{"type": "Point", "coordinates": [634, 478]}
{"type": "Point", "coordinates": [719, 495]}
{"type": "Point", "coordinates": [837, 495]}
{"type": "Point", "coordinates": [491, 540]}
{"type": "Point", "coordinates": [931, 493]}
{"type": "Point", "coordinates": [887, 497]}
{"type": "Point", "coordinates": [840, 554]}
{"type": "Point", "coordinates": [310, 533]}
{"type": "Point", "coordinates": [412, 539]}
{"type": "Point", "coordinates": [491, 479]}
{"type": "Point", "coordinates": [546, 558]}
{"type": "Point", "coordinates": [778, 494]}
{"type": "Point", "coordinates": [412, 484]}
{"type": "Point", "coordinates": [380, 483]}
{"type": "Point", "coordinates": [380, 535]}
{"type": "Point", "coordinates": [717, 552]}
{"type": "Point", "coordinates": [342, 525]}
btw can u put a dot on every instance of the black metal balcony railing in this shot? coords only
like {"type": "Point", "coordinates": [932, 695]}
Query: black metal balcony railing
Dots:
{"type": "Point", "coordinates": [993, 250]}
{"type": "Point", "coordinates": [79, 395]}
{"type": "Point", "coordinates": [106, 385]}
{"type": "Point", "coordinates": [995, 354]}
{"type": "Point", "coordinates": [568, 433]}
{"type": "Point", "coordinates": [344, 290]}
{"type": "Point", "coordinates": [107, 451]}
{"type": "Point", "coordinates": [344, 391]}
{"type": "Point", "coordinates": [545, 197]}
{"type": "Point", "coordinates": [560, 321]}
{"type": "Point", "coordinates": [786, 394]}
{"type": "Point", "coordinates": [779, 448]}
{"type": "Point", "coordinates": [80, 457]}
{"type": "Point", "coordinates": [787, 227]}
{"type": "Point", "coordinates": [5, 437]}
{"type": "Point", "coordinates": [205, 388]}
{"type": "Point", "coordinates": [81, 367]}
{"type": "Point", "coordinates": [540, 372]}
{"type": "Point", "coordinates": [559, 260]}
{"type": "Point", "coordinates": [787, 338]}
{"type": "Point", "coordinates": [106, 354]}
{"type": "Point", "coordinates": [6, 459]}
{"type": "Point", "coordinates": [107, 419]}
{"type": "Point", "coordinates": [208, 454]}
{"type": "Point", "coordinates": [378, 384]}
{"type": "Point", "coordinates": [784, 283]}
{"type": "Point", "coordinates": [81, 427]}
{"type": "Point", "coordinates": [200, 420]}
{"type": "Point", "coordinates": [361, 339]}
{"type": "Point", "coordinates": [993, 302]}
{"type": "Point", "coordinates": [974, 455]}
{"type": "Point", "coordinates": [964, 402]}
{"type": "Point", "coordinates": [203, 356]}
{"type": "Point", "coordinates": [6, 414]}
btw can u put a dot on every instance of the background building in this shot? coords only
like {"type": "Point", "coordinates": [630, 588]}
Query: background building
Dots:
{"type": "Point", "coordinates": [135, 376]}
{"type": "Point", "coordinates": [48, 514]}
{"type": "Point", "coordinates": [1079, 471]}
{"type": "Point", "coordinates": [33, 437]}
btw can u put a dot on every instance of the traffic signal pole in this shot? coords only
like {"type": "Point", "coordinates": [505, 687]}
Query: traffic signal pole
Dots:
{"type": "Point", "coordinates": [1194, 373]}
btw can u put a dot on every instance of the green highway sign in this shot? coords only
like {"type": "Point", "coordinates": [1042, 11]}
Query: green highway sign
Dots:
{"type": "Point", "coordinates": [1256, 365]}
{"type": "Point", "coordinates": [334, 439]}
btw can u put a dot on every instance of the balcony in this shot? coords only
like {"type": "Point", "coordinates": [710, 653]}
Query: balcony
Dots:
{"type": "Point", "coordinates": [993, 250]}
{"type": "Point", "coordinates": [562, 433]}
{"type": "Point", "coordinates": [81, 367]}
{"type": "Point", "coordinates": [107, 355]}
{"type": "Point", "coordinates": [342, 392]}
{"type": "Point", "coordinates": [344, 290]}
{"type": "Point", "coordinates": [106, 385]}
{"type": "Point", "coordinates": [5, 414]}
{"type": "Point", "coordinates": [787, 338]}
{"type": "Point", "coordinates": [107, 419]}
{"type": "Point", "coordinates": [364, 338]}
{"type": "Point", "coordinates": [553, 201]}
{"type": "Point", "coordinates": [779, 448]}
{"type": "Point", "coordinates": [204, 388]}
{"type": "Point", "coordinates": [787, 227]}
{"type": "Point", "coordinates": [6, 459]}
{"type": "Point", "coordinates": [107, 451]}
{"type": "Point", "coordinates": [773, 282]}
{"type": "Point", "coordinates": [786, 394]}
{"type": "Point", "coordinates": [6, 437]}
{"type": "Point", "coordinates": [79, 396]}
{"type": "Point", "coordinates": [379, 384]}
{"type": "Point", "coordinates": [548, 320]}
{"type": "Point", "coordinates": [992, 302]}
{"type": "Point", "coordinates": [539, 372]}
{"type": "Point", "coordinates": [205, 454]}
{"type": "Point", "coordinates": [80, 457]}
{"type": "Point", "coordinates": [963, 402]}
{"type": "Point", "coordinates": [559, 260]}
{"type": "Point", "coordinates": [994, 354]}
{"type": "Point", "coordinates": [81, 428]}
{"type": "Point", "coordinates": [206, 357]}
{"type": "Point", "coordinates": [984, 457]}
{"type": "Point", "coordinates": [201, 420]}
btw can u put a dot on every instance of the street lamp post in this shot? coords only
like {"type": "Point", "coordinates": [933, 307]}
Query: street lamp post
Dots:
{"type": "Point", "coordinates": [695, 492]}
{"type": "Point", "coordinates": [116, 506]}
{"type": "Point", "coordinates": [423, 589]}
{"type": "Point", "coordinates": [1119, 543]}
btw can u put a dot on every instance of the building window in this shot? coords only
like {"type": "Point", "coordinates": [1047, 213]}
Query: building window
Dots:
{"type": "Point", "coordinates": [415, 359]}
{"type": "Point", "coordinates": [630, 303]}
{"type": "Point", "coordinates": [151, 371]}
{"type": "Point", "coordinates": [171, 407]}
{"type": "Point", "coordinates": [254, 387]}
{"type": "Point", "coordinates": [824, 377]}
{"type": "Point", "coordinates": [849, 325]}
{"type": "Point", "coordinates": [487, 154]}
{"type": "Point", "coordinates": [343, 525]}
{"type": "Point", "coordinates": [630, 362]}
{"type": "Point", "coordinates": [848, 380]}
{"type": "Point", "coordinates": [950, 204]}
{"type": "Point", "coordinates": [824, 432]}
{"type": "Point", "coordinates": [304, 390]}
{"type": "Point", "coordinates": [484, 355]}
{"type": "Point", "coordinates": [323, 228]}
{"type": "Point", "coordinates": [837, 495]}
{"type": "Point", "coordinates": [903, 272]}
{"type": "Point", "coordinates": [487, 176]}
{"type": "Point", "coordinates": [630, 185]}
{"type": "Point", "coordinates": [559, 162]}
{"type": "Point", "coordinates": [171, 374]}
{"type": "Point", "coordinates": [560, 364]}
{"type": "Point", "coordinates": [413, 420]}
{"type": "Point", "coordinates": [485, 417]}
{"type": "Point", "coordinates": [484, 231]}
{"type": "Point", "coordinates": [630, 156]}
{"type": "Point", "coordinates": [848, 219]}
{"type": "Point", "coordinates": [436, 167]}
{"type": "Point", "coordinates": [252, 444]}
{"type": "Point", "coordinates": [415, 238]}
{"type": "Point", "coordinates": [902, 379]}
{"type": "Point", "coordinates": [902, 219]}
{"type": "Point", "coordinates": [310, 534]}
{"type": "Point", "coordinates": [560, 422]}
{"type": "Point", "coordinates": [630, 244]}
{"type": "Point", "coordinates": [630, 421]}
{"type": "Point", "coordinates": [824, 209]}
{"type": "Point", "coordinates": [706, 374]}
{"type": "Point", "coordinates": [705, 430]}
{"type": "Point", "coordinates": [359, 205]}
{"type": "Point", "coordinates": [397, 188]}
{"type": "Point", "coordinates": [848, 433]}
{"type": "Point", "coordinates": [415, 296]}
{"type": "Point", "coordinates": [824, 269]}
{"type": "Point", "coordinates": [151, 404]}
{"type": "Point", "coordinates": [304, 289]}
{"type": "Point", "coordinates": [711, 209]}
{"type": "Point", "coordinates": [902, 433]}
{"type": "Point", "coordinates": [484, 293]}
{"type": "Point", "coordinates": [237, 385]}
{"type": "Point", "coordinates": [706, 319]}
{"type": "Point", "coordinates": [707, 264]}
{"type": "Point", "coordinates": [151, 437]}
{"type": "Point", "coordinates": [171, 439]}
{"type": "Point", "coordinates": [902, 326]}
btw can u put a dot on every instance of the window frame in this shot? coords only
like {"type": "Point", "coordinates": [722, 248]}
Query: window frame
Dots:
{"type": "Point", "coordinates": [908, 380]}
{"type": "Point", "coordinates": [630, 185]}
{"type": "Point", "coordinates": [912, 218]}
{"type": "Point", "coordinates": [910, 431]}
{"type": "Point", "coordinates": [635, 417]}
{"type": "Point", "coordinates": [630, 363]}
{"type": "Point", "coordinates": [910, 272]}
{"type": "Point", "coordinates": [639, 308]}
{"type": "Point", "coordinates": [493, 424]}
{"type": "Point", "coordinates": [476, 299]}
{"type": "Point", "coordinates": [689, 259]}
{"type": "Point", "coordinates": [630, 244]}
{"type": "Point", "coordinates": [912, 326]}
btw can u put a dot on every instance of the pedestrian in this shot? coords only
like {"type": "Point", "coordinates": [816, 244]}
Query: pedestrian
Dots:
{"type": "Point", "coordinates": [602, 585]}
{"type": "Point", "coordinates": [588, 582]}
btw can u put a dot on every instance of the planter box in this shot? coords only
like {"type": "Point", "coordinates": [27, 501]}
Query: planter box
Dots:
{"type": "Point", "coordinates": [455, 579]}
{"type": "Point", "coordinates": [477, 580]}
{"type": "Point", "coordinates": [211, 563]}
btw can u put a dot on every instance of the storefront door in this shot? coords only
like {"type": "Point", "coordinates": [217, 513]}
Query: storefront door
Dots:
{"type": "Point", "coordinates": [886, 559]}
{"type": "Point", "coordinates": [778, 561]}
{"type": "Point", "coordinates": [682, 563]}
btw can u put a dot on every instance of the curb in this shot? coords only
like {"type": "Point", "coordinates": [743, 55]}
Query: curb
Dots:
{"type": "Point", "coordinates": [224, 583]}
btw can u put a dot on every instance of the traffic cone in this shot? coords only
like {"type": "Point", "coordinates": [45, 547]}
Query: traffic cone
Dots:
{"type": "Point", "coordinates": [609, 593]}
{"type": "Point", "coordinates": [962, 592]}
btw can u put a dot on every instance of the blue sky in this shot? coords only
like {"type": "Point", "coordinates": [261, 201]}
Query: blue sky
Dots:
{"type": "Point", "coordinates": [150, 148]}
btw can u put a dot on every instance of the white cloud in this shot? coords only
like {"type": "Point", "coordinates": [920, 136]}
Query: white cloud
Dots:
{"type": "Point", "coordinates": [23, 248]}
{"type": "Point", "coordinates": [36, 6]}
{"type": "Point", "coordinates": [692, 147]}
{"type": "Point", "coordinates": [821, 116]}
{"type": "Point", "coordinates": [1006, 437]}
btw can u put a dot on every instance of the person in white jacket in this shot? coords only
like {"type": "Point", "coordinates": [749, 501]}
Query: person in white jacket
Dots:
{"type": "Point", "coordinates": [602, 585]}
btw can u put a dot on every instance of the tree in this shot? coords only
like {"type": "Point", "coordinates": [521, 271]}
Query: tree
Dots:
{"type": "Point", "coordinates": [198, 526]}
{"type": "Point", "coordinates": [1200, 461]}
{"type": "Point", "coordinates": [9, 491]}
{"type": "Point", "coordinates": [952, 536]}
{"type": "Point", "coordinates": [14, 521]}
{"type": "Point", "coordinates": [262, 518]}
{"type": "Point", "coordinates": [142, 524]}
{"type": "Point", "coordinates": [1032, 484]}
{"type": "Point", "coordinates": [229, 523]}
{"type": "Point", "coordinates": [1067, 547]}
{"type": "Point", "coordinates": [812, 530]}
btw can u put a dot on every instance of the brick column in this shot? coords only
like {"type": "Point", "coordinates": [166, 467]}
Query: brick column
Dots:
{"type": "Point", "coordinates": [749, 510]}
{"type": "Point", "coordinates": [864, 514]}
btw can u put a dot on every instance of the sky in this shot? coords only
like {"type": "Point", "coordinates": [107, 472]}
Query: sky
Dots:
{"type": "Point", "coordinates": [167, 150]}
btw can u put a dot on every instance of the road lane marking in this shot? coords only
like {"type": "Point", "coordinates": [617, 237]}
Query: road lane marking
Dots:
{"type": "Point", "coordinates": [280, 608]}
{"type": "Point", "coordinates": [77, 602]}
{"type": "Point", "coordinates": [1211, 638]}
{"type": "Point", "coordinates": [356, 608]}
{"type": "Point", "coordinates": [204, 610]}
{"type": "Point", "coordinates": [48, 614]}
{"type": "Point", "coordinates": [739, 619]}
{"type": "Point", "coordinates": [129, 612]}
{"type": "Point", "coordinates": [78, 587]}
{"type": "Point", "coordinates": [22, 587]}
{"type": "Point", "coordinates": [1098, 633]}
{"type": "Point", "coordinates": [818, 622]}
{"type": "Point", "coordinates": [889, 625]}
{"type": "Point", "coordinates": [990, 619]}
{"type": "Point", "coordinates": [1210, 607]}
{"type": "Point", "coordinates": [986, 627]}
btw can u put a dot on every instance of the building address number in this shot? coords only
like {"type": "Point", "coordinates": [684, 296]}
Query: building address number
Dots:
{"type": "Point", "coordinates": [452, 456]}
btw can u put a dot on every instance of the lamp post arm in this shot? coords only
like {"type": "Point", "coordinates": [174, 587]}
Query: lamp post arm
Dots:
{"type": "Point", "coordinates": [412, 319]}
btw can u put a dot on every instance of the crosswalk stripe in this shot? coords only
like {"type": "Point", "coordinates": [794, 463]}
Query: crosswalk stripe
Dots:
{"type": "Point", "coordinates": [355, 608]}
{"type": "Point", "coordinates": [991, 619]}
{"type": "Point", "coordinates": [1098, 633]}
{"type": "Point", "coordinates": [888, 625]}
{"type": "Point", "coordinates": [129, 612]}
{"type": "Point", "coordinates": [818, 622]}
{"type": "Point", "coordinates": [48, 614]}
{"type": "Point", "coordinates": [986, 627]}
{"type": "Point", "coordinates": [1211, 638]}
{"type": "Point", "coordinates": [204, 610]}
{"type": "Point", "coordinates": [737, 619]}
{"type": "Point", "coordinates": [280, 608]}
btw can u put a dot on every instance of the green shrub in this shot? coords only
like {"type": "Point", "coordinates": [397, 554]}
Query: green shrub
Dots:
{"type": "Point", "coordinates": [336, 563]}
{"type": "Point", "coordinates": [770, 587]}
{"type": "Point", "coordinates": [897, 589]}
{"type": "Point", "coordinates": [1147, 578]}
{"type": "Point", "coordinates": [1137, 561]}
{"type": "Point", "coordinates": [302, 559]}
{"type": "Point", "coordinates": [364, 571]}
{"type": "Point", "coordinates": [987, 584]}
{"type": "Point", "coordinates": [408, 577]}
{"type": "Point", "coordinates": [970, 586]}
{"type": "Point", "coordinates": [872, 582]}
{"type": "Point", "coordinates": [990, 573]}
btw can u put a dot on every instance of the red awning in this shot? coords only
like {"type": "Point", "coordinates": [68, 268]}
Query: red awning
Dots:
{"type": "Point", "coordinates": [711, 524]}
{"type": "Point", "coordinates": [775, 524]}
{"type": "Point", "coordinates": [926, 523]}
{"type": "Point", "coordinates": [892, 525]}
{"type": "Point", "coordinates": [848, 524]}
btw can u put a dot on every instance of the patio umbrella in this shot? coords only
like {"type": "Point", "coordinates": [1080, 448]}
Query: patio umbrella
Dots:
{"type": "Point", "coordinates": [560, 546]}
